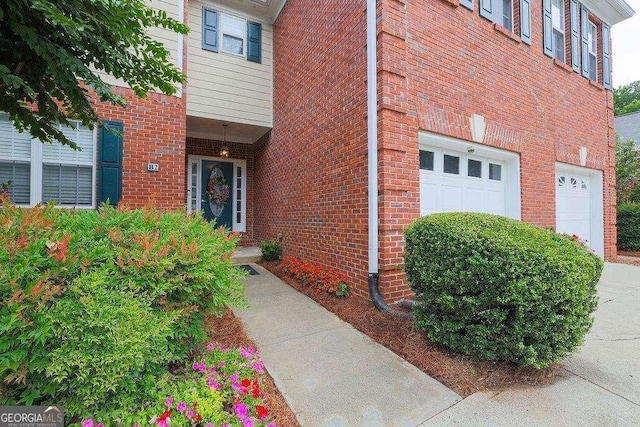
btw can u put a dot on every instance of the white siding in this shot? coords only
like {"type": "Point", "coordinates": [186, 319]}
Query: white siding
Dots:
{"type": "Point", "coordinates": [224, 86]}
{"type": "Point", "coordinates": [168, 37]}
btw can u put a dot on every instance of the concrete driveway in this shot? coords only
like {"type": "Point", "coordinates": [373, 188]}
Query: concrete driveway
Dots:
{"type": "Point", "coordinates": [600, 385]}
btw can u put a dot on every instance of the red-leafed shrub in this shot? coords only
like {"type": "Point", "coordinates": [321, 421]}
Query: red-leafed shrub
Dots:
{"type": "Point", "coordinates": [318, 277]}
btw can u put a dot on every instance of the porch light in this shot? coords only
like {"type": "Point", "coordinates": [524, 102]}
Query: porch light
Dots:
{"type": "Point", "coordinates": [224, 150]}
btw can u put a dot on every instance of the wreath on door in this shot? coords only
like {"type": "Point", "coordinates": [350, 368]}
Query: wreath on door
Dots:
{"type": "Point", "coordinates": [218, 188]}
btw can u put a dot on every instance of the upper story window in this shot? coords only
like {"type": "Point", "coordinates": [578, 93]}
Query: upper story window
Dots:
{"type": "Point", "coordinates": [557, 23]}
{"type": "Point", "coordinates": [574, 36]}
{"type": "Point", "coordinates": [592, 43]}
{"type": "Point", "coordinates": [231, 34]}
{"type": "Point", "coordinates": [505, 15]}
{"type": "Point", "coordinates": [498, 11]}
{"type": "Point", "coordinates": [233, 31]}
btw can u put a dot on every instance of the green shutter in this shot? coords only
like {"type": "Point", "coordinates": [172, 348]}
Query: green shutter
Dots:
{"type": "Point", "coordinates": [547, 28]}
{"type": "Point", "coordinates": [254, 42]}
{"type": "Point", "coordinates": [606, 56]}
{"type": "Point", "coordinates": [575, 36]}
{"type": "Point", "coordinates": [110, 162]}
{"type": "Point", "coordinates": [486, 9]}
{"type": "Point", "coordinates": [584, 27]}
{"type": "Point", "coordinates": [209, 29]}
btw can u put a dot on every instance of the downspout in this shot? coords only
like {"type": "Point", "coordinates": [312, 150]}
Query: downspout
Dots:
{"type": "Point", "coordinates": [372, 148]}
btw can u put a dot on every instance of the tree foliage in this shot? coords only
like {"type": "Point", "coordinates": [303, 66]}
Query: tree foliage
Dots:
{"type": "Point", "coordinates": [626, 99]}
{"type": "Point", "coordinates": [50, 51]}
{"type": "Point", "coordinates": [627, 171]}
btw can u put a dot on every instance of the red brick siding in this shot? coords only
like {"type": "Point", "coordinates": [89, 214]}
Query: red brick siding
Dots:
{"type": "Point", "coordinates": [311, 177]}
{"type": "Point", "coordinates": [154, 132]}
{"type": "Point", "coordinates": [531, 105]}
{"type": "Point", "coordinates": [437, 66]}
{"type": "Point", "coordinates": [211, 148]}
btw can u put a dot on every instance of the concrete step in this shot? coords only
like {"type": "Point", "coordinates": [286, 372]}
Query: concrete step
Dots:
{"type": "Point", "coordinates": [247, 255]}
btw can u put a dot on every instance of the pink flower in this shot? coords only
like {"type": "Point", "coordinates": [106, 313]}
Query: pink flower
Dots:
{"type": "Point", "coordinates": [168, 402]}
{"type": "Point", "coordinates": [190, 413]}
{"type": "Point", "coordinates": [247, 422]}
{"type": "Point", "coordinates": [87, 423]}
{"type": "Point", "coordinates": [181, 406]}
{"type": "Point", "coordinates": [163, 423]}
{"type": "Point", "coordinates": [210, 347]}
{"type": "Point", "coordinates": [246, 353]}
{"type": "Point", "coordinates": [242, 411]}
{"type": "Point", "coordinates": [271, 424]}
{"type": "Point", "coordinates": [209, 425]}
{"type": "Point", "coordinates": [213, 384]}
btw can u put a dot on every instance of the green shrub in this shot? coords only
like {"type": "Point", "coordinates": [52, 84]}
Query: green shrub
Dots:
{"type": "Point", "coordinates": [629, 227]}
{"type": "Point", "coordinates": [103, 273]}
{"type": "Point", "coordinates": [271, 250]}
{"type": "Point", "coordinates": [500, 289]}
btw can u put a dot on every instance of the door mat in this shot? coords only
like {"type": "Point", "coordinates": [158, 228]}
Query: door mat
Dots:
{"type": "Point", "coordinates": [249, 269]}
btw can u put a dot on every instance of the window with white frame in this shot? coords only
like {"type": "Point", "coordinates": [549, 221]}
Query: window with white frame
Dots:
{"type": "Point", "coordinates": [558, 25]}
{"type": "Point", "coordinates": [233, 31]}
{"type": "Point", "coordinates": [505, 12]}
{"type": "Point", "coordinates": [592, 43]}
{"type": "Point", "coordinates": [43, 172]}
{"type": "Point", "coordinates": [498, 11]}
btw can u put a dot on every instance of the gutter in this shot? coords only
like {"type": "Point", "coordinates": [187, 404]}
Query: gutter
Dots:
{"type": "Point", "coordinates": [372, 166]}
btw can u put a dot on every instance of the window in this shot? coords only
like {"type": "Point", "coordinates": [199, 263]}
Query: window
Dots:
{"type": "Point", "coordinates": [557, 22]}
{"type": "Point", "coordinates": [451, 164]}
{"type": "Point", "coordinates": [233, 32]}
{"type": "Point", "coordinates": [474, 168]}
{"type": "Point", "coordinates": [426, 160]}
{"type": "Point", "coordinates": [498, 11]}
{"type": "Point", "coordinates": [506, 14]}
{"type": "Point", "coordinates": [592, 43]}
{"type": "Point", "coordinates": [495, 172]}
{"type": "Point", "coordinates": [43, 172]}
{"type": "Point", "coordinates": [235, 35]}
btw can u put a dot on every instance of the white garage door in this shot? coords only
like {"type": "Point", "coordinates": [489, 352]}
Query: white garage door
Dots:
{"type": "Point", "coordinates": [453, 181]}
{"type": "Point", "coordinates": [573, 205]}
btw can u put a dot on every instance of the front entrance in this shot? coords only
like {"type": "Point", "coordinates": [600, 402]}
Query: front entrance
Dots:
{"type": "Point", "coordinates": [217, 188]}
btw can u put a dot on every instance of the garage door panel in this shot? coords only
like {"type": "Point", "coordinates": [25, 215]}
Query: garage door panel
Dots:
{"type": "Point", "coordinates": [573, 205]}
{"type": "Point", "coordinates": [467, 190]}
{"type": "Point", "coordinates": [451, 197]}
{"type": "Point", "coordinates": [475, 200]}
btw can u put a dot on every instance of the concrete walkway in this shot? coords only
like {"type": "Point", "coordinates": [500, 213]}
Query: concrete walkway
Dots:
{"type": "Point", "coordinates": [332, 375]}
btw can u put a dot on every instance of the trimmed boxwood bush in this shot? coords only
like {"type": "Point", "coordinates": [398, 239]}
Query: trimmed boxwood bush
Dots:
{"type": "Point", "coordinates": [500, 289]}
{"type": "Point", "coordinates": [271, 250]}
{"type": "Point", "coordinates": [94, 305]}
{"type": "Point", "coordinates": [629, 227]}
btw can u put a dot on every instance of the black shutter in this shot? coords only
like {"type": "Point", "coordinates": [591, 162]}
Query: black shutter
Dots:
{"type": "Point", "coordinates": [254, 42]}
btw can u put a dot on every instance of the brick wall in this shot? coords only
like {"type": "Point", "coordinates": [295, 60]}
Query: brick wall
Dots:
{"type": "Point", "coordinates": [154, 132]}
{"type": "Point", "coordinates": [311, 176]}
{"type": "Point", "coordinates": [211, 148]}
{"type": "Point", "coordinates": [438, 65]}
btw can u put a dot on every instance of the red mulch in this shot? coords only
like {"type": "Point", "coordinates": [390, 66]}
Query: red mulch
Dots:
{"type": "Point", "coordinates": [461, 373]}
{"type": "Point", "coordinates": [631, 258]}
{"type": "Point", "coordinates": [228, 330]}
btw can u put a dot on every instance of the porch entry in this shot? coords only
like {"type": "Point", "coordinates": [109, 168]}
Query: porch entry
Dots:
{"type": "Point", "coordinates": [217, 187]}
